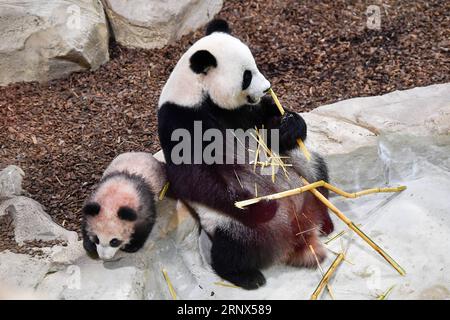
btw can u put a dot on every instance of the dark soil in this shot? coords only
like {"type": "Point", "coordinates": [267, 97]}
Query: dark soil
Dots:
{"type": "Point", "coordinates": [64, 133]}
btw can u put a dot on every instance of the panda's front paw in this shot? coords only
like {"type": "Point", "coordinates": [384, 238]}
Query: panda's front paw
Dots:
{"type": "Point", "coordinates": [292, 127]}
{"type": "Point", "coordinates": [90, 247]}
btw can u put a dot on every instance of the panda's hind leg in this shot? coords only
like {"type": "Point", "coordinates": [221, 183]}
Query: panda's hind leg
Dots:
{"type": "Point", "coordinates": [237, 261]}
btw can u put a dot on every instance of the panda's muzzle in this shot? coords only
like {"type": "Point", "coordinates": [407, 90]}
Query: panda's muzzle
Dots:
{"type": "Point", "coordinates": [251, 100]}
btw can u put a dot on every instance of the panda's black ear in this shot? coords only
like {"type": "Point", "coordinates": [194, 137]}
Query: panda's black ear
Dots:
{"type": "Point", "coordinates": [201, 61]}
{"type": "Point", "coordinates": [127, 213]}
{"type": "Point", "coordinates": [217, 25]}
{"type": "Point", "coordinates": [91, 209]}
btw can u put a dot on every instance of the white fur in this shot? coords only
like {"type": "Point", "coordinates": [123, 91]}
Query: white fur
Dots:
{"type": "Point", "coordinates": [140, 163]}
{"type": "Point", "coordinates": [106, 252]}
{"type": "Point", "coordinates": [223, 83]}
{"type": "Point", "coordinates": [209, 218]}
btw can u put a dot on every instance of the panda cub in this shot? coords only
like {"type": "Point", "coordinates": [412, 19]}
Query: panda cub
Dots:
{"type": "Point", "coordinates": [217, 84]}
{"type": "Point", "coordinates": [121, 212]}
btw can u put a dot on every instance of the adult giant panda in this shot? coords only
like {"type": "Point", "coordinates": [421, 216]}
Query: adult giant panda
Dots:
{"type": "Point", "coordinates": [217, 83]}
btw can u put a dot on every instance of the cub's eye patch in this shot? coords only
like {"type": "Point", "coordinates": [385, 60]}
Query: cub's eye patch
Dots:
{"type": "Point", "coordinates": [91, 209]}
{"type": "Point", "coordinates": [246, 79]}
{"type": "Point", "coordinates": [115, 243]}
{"type": "Point", "coordinates": [127, 213]}
{"type": "Point", "coordinates": [96, 240]}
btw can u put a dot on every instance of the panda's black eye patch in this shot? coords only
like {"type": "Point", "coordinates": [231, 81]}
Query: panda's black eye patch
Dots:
{"type": "Point", "coordinates": [96, 240]}
{"type": "Point", "coordinates": [247, 79]}
{"type": "Point", "coordinates": [115, 243]}
{"type": "Point", "coordinates": [127, 213]}
{"type": "Point", "coordinates": [91, 209]}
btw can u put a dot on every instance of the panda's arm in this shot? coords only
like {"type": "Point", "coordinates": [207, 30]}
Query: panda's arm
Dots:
{"type": "Point", "coordinates": [88, 245]}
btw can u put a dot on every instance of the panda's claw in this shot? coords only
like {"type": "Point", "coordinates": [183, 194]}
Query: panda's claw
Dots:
{"type": "Point", "coordinates": [249, 279]}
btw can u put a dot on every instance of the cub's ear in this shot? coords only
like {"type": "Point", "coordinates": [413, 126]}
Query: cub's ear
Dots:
{"type": "Point", "coordinates": [91, 209]}
{"type": "Point", "coordinates": [201, 61]}
{"type": "Point", "coordinates": [217, 25]}
{"type": "Point", "coordinates": [127, 213]}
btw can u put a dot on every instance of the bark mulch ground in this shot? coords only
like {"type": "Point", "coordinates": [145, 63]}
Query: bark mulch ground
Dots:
{"type": "Point", "coordinates": [64, 133]}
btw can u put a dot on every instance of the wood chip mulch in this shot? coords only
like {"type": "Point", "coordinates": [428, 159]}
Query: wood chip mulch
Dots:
{"type": "Point", "coordinates": [64, 133]}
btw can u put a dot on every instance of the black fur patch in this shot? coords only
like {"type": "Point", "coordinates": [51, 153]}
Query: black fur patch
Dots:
{"type": "Point", "coordinates": [246, 79]}
{"type": "Point", "coordinates": [201, 61]}
{"type": "Point", "coordinates": [217, 25]}
{"type": "Point", "coordinates": [127, 213]}
{"type": "Point", "coordinates": [91, 209]}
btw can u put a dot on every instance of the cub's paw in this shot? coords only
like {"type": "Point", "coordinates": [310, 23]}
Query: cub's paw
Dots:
{"type": "Point", "coordinates": [90, 247]}
{"type": "Point", "coordinates": [292, 127]}
{"type": "Point", "coordinates": [249, 279]}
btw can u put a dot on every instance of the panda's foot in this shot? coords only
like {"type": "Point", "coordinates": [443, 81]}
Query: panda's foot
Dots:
{"type": "Point", "coordinates": [249, 280]}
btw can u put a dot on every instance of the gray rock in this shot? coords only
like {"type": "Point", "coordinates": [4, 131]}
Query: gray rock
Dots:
{"type": "Point", "coordinates": [43, 40]}
{"type": "Point", "coordinates": [32, 223]}
{"type": "Point", "coordinates": [156, 23]}
{"type": "Point", "coordinates": [11, 181]}
{"type": "Point", "coordinates": [20, 274]}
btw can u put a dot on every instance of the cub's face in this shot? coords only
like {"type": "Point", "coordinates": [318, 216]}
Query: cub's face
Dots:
{"type": "Point", "coordinates": [227, 71]}
{"type": "Point", "coordinates": [111, 216]}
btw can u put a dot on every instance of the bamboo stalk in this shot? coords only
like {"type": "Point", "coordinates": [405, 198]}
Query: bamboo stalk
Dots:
{"type": "Point", "coordinates": [282, 112]}
{"type": "Point", "coordinates": [327, 276]}
{"type": "Point", "coordinates": [163, 192]}
{"type": "Point", "coordinates": [169, 284]}
{"type": "Point", "coordinates": [358, 231]}
{"type": "Point", "coordinates": [337, 236]}
{"type": "Point", "coordinates": [321, 271]}
{"type": "Point", "coordinates": [279, 195]}
{"type": "Point", "coordinates": [315, 185]}
{"type": "Point", "coordinates": [383, 296]}
{"type": "Point", "coordinates": [227, 285]}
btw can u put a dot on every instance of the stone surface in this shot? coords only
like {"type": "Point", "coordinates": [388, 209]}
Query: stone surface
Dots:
{"type": "Point", "coordinates": [43, 40]}
{"type": "Point", "coordinates": [11, 181]}
{"type": "Point", "coordinates": [155, 23]}
{"type": "Point", "coordinates": [32, 223]}
{"type": "Point", "coordinates": [412, 226]}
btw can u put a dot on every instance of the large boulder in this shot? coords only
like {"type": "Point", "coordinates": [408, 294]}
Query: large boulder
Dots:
{"type": "Point", "coordinates": [48, 39]}
{"type": "Point", "coordinates": [155, 23]}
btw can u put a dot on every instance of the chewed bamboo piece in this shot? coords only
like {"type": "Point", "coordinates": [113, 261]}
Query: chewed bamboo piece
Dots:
{"type": "Point", "coordinates": [273, 158]}
{"type": "Point", "coordinates": [383, 296]}
{"type": "Point", "coordinates": [227, 285]}
{"type": "Point", "coordinates": [326, 277]}
{"type": "Point", "coordinates": [321, 271]}
{"type": "Point", "coordinates": [340, 234]}
{"type": "Point", "coordinates": [163, 192]}
{"type": "Point", "coordinates": [299, 141]}
{"type": "Point", "coordinates": [169, 284]}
